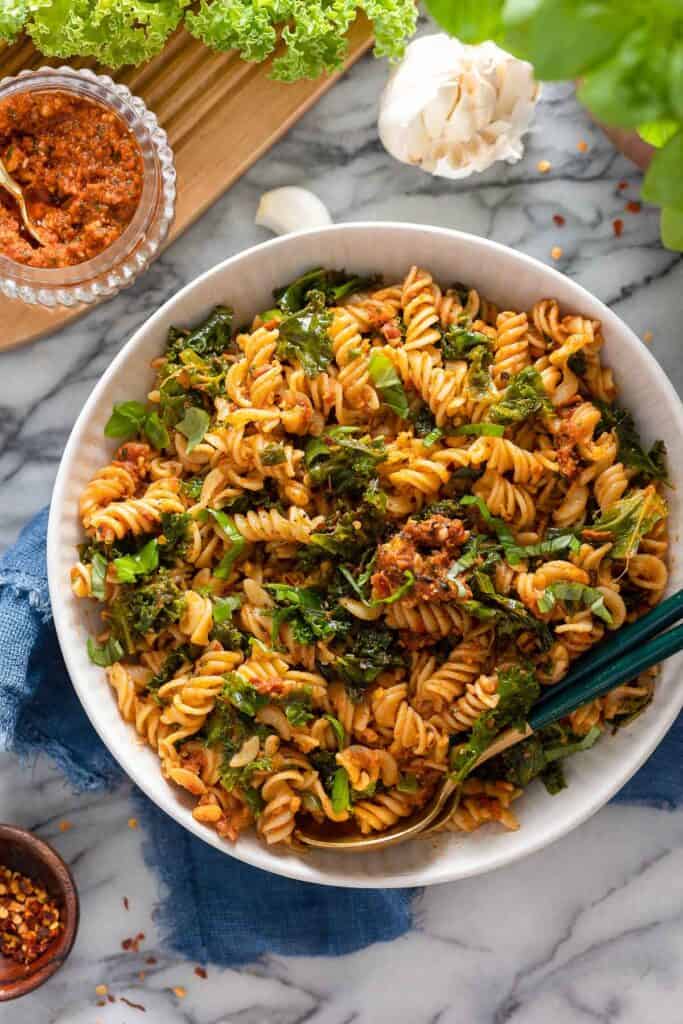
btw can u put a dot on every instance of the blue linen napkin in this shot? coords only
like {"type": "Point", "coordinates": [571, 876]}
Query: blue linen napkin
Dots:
{"type": "Point", "coordinates": [215, 909]}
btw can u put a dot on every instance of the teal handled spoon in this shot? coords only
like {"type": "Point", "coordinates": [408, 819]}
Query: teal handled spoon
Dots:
{"type": "Point", "coordinates": [629, 652]}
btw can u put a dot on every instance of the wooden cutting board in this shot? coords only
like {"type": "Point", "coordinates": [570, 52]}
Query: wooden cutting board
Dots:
{"type": "Point", "coordinates": [221, 114]}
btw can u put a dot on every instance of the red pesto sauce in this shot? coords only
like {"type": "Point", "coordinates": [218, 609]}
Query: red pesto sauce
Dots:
{"type": "Point", "coordinates": [81, 171]}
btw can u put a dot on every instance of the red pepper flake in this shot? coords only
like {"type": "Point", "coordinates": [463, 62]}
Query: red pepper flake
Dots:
{"type": "Point", "coordinates": [29, 920]}
{"type": "Point", "coordinates": [200, 972]}
{"type": "Point", "coordinates": [390, 331]}
{"type": "Point", "coordinates": [111, 998]}
{"type": "Point", "coordinates": [64, 826]}
{"type": "Point", "coordinates": [582, 146]}
{"type": "Point", "coordinates": [633, 206]}
{"type": "Point", "coordinates": [151, 960]}
{"type": "Point", "coordinates": [618, 226]}
{"type": "Point", "coordinates": [135, 1006]}
{"type": "Point", "coordinates": [133, 943]}
{"type": "Point", "coordinates": [126, 904]}
{"type": "Point", "coordinates": [559, 220]}
{"type": "Point", "coordinates": [622, 185]}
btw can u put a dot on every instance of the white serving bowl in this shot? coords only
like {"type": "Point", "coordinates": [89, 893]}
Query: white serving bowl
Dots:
{"type": "Point", "coordinates": [246, 282]}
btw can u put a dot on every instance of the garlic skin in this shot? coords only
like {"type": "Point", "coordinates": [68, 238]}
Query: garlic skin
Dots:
{"type": "Point", "coordinates": [453, 109]}
{"type": "Point", "coordinates": [288, 209]}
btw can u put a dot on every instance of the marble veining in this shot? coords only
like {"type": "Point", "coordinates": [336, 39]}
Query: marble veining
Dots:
{"type": "Point", "coordinates": [589, 930]}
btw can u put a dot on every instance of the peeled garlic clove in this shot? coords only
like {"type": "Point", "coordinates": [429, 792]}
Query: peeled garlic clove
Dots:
{"type": "Point", "coordinates": [453, 109]}
{"type": "Point", "coordinates": [283, 210]}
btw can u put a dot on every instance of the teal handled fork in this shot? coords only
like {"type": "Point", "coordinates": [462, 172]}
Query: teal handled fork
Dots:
{"type": "Point", "coordinates": [630, 651]}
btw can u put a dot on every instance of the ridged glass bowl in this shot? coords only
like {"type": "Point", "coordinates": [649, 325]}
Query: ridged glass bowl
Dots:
{"type": "Point", "coordinates": [120, 263]}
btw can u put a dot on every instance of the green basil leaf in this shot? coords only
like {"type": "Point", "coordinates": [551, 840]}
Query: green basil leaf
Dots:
{"type": "Point", "coordinates": [98, 576]}
{"type": "Point", "coordinates": [513, 552]}
{"type": "Point", "coordinates": [471, 21]}
{"type": "Point", "coordinates": [386, 380]}
{"type": "Point", "coordinates": [672, 228]}
{"type": "Point", "coordinates": [676, 79]}
{"type": "Point", "coordinates": [104, 654]}
{"type": "Point", "coordinates": [632, 87]}
{"type": "Point", "coordinates": [273, 455]}
{"type": "Point", "coordinates": [565, 591]}
{"type": "Point", "coordinates": [658, 133]}
{"type": "Point", "coordinates": [551, 545]}
{"type": "Point", "coordinates": [663, 182]}
{"type": "Point", "coordinates": [341, 796]}
{"type": "Point", "coordinates": [360, 584]}
{"type": "Point", "coordinates": [566, 38]}
{"type": "Point", "coordinates": [142, 563]}
{"type": "Point", "coordinates": [126, 420]}
{"type": "Point", "coordinates": [155, 432]}
{"type": "Point", "coordinates": [480, 429]}
{"type": "Point", "coordinates": [194, 426]}
{"type": "Point", "coordinates": [407, 783]}
{"type": "Point", "coordinates": [432, 437]}
{"type": "Point", "coordinates": [237, 544]}
{"type": "Point", "coordinates": [562, 750]}
{"type": "Point", "coordinates": [225, 607]}
{"type": "Point", "coordinates": [408, 584]}
{"type": "Point", "coordinates": [338, 730]}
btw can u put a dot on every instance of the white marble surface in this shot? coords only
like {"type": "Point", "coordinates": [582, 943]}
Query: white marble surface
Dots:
{"type": "Point", "coordinates": [588, 930]}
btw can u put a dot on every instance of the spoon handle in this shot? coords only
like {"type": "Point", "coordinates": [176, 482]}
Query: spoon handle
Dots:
{"type": "Point", "coordinates": [7, 182]}
{"type": "Point", "coordinates": [604, 679]}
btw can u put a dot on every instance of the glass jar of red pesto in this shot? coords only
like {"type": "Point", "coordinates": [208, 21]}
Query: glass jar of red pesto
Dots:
{"type": "Point", "coordinates": [117, 265]}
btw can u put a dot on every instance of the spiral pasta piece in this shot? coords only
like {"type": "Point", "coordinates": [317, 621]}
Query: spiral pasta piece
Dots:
{"type": "Point", "coordinates": [420, 310]}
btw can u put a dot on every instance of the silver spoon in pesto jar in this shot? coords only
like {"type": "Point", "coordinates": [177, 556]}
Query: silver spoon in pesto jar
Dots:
{"type": "Point", "coordinates": [14, 189]}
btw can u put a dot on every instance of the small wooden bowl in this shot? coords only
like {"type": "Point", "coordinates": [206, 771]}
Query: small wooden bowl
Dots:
{"type": "Point", "coordinates": [24, 852]}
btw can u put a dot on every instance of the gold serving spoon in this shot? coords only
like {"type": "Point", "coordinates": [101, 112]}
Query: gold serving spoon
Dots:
{"type": "Point", "coordinates": [630, 651]}
{"type": "Point", "coordinates": [14, 189]}
{"type": "Point", "coordinates": [428, 819]}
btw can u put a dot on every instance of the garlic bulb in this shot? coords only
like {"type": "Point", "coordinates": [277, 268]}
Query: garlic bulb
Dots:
{"type": "Point", "coordinates": [452, 109]}
{"type": "Point", "coordinates": [288, 209]}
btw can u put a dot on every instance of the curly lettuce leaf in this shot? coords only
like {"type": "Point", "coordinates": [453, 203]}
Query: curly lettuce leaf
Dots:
{"type": "Point", "coordinates": [313, 30]}
{"type": "Point", "coordinates": [125, 32]}
{"type": "Point", "coordinates": [13, 14]}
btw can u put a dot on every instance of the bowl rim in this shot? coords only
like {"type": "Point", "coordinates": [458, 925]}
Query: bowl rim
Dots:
{"type": "Point", "coordinates": [60, 870]}
{"type": "Point", "coordinates": [293, 867]}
